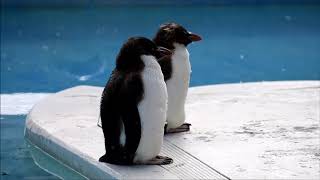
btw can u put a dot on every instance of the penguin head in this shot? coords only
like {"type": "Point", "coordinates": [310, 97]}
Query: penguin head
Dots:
{"type": "Point", "coordinates": [171, 33]}
{"type": "Point", "coordinates": [129, 57]}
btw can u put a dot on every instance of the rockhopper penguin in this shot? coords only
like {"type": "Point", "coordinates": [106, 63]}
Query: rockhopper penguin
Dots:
{"type": "Point", "coordinates": [134, 105]}
{"type": "Point", "coordinates": [176, 69]}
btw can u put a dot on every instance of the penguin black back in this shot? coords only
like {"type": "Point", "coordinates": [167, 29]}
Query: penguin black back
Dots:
{"type": "Point", "coordinates": [129, 59]}
{"type": "Point", "coordinates": [120, 97]}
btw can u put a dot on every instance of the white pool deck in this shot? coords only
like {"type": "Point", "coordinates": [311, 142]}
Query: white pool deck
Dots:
{"type": "Point", "coordinates": [240, 131]}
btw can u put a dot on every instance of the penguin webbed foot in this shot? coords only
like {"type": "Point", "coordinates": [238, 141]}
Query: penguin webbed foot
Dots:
{"type": "Point", "coordinates": [183, 128]}
{"type": "Point", "coordinates": [158, 160]}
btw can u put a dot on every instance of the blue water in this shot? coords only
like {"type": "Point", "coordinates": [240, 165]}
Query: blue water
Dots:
{"type": "Point", "coordinates": [16, 160]}
{"type": "Point", "coordinates": [47, 50]}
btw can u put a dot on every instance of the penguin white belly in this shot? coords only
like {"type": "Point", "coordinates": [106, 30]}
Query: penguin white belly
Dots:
{"type": "Point", "coordinates": [178, 86]}
{"type": "Point", "coordinates": [152, 110]}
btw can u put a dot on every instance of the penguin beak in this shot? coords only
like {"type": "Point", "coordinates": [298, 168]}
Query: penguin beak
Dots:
{"type": "Point", "coordinates": [194, 37]}
{"type": "Point", "coordinates": [162, 51]}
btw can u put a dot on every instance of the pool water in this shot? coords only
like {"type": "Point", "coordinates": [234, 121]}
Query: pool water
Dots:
{"type": "Point", "coordinates": [16, 160]}
{"type": "Point", "coordinates": [45, 50]}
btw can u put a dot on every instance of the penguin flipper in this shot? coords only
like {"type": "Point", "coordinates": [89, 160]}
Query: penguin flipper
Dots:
{"type": "Point", "coordinates": [132, 93]}
{"type": "Point", "coordinates": [110, 115]}
{"type": "Point", "coordinates": [132, 126]}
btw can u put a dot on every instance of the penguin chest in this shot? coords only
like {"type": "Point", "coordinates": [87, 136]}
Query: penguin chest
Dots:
{"type": "Point", "coordinates": [152, 110]}
{"type": "Point", "coordinates": [178, 86]}
{"type": "Point", "coordinates": [181, 67]}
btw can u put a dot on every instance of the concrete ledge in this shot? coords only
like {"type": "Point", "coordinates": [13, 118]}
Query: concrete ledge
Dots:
{"type": "Point", "coordinates": [250, 130]}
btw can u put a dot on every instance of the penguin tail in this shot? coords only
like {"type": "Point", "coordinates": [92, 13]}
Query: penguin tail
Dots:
{"type": "Point", "coordinates": [122, 159]}
{"type": "Point", "coordinates": [103, 158]}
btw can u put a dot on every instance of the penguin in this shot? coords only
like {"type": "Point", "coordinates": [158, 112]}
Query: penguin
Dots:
{"type": "Point", "coordinates": [133, 106]}
{"type": "Point", "coordinates": [176, 69]}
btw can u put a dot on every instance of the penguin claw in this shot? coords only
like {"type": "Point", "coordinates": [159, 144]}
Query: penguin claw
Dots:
{"type": "Point", "coordinates": [159, 160]}
{"type": "Point", "coordinates": [167, 161]}
{"type": "Point", "coordinates": [183, 128]}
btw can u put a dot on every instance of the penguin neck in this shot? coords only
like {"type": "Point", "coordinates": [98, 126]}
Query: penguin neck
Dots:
{"type": "Point", "coordinates": [149, 61]}
{"type": "Point", "coordinates": [181, 51]}
{"type": "Point", "coordinates": [180, 61]}
{"type": "Point", "coordinates": [152, 70]}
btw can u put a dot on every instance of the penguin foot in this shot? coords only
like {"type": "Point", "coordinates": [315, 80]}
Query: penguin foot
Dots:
{"type": "Point", "coordinates": [159, 160]}
{"type": "Point", "coordinates": [183, 128]}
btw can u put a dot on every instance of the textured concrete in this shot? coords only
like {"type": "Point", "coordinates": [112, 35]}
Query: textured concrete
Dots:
{"type": "Point", "coordinates": [247, 131]}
